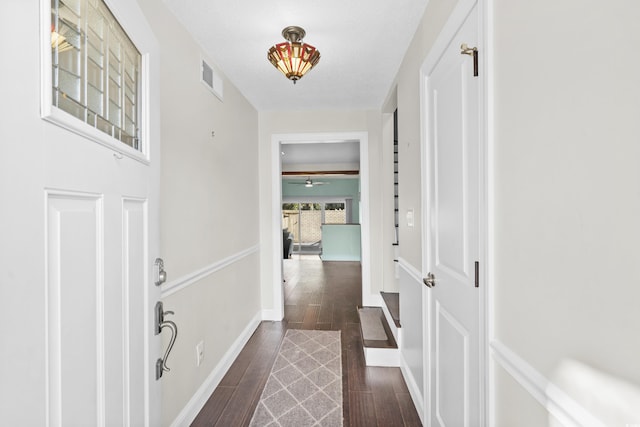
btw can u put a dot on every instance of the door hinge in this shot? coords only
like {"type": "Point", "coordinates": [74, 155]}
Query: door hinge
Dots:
{"type": "Point", "coordinates": [477, 280]}
{"type": "Point", "coordinates": [473, 52]}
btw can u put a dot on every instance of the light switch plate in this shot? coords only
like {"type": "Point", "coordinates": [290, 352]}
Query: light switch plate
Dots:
{"type": "Point", "coordinates": [410, 218]}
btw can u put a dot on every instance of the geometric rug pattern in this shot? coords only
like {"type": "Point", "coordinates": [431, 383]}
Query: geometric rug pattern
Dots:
{"type": "Point", "coordinates": [304, 387]}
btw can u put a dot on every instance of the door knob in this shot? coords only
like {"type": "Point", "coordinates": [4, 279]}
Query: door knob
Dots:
{"type": "Point", "coordinates": [161, 275]}
{"type": "Point", "coordinates": [430, 280]}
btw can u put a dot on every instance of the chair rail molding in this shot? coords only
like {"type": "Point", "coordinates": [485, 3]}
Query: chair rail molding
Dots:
{"type": "Point", "coordinates": [410, 269]}
{"type": "Point", "coordinates": [551, 397]}
{"type": "Point", "coordinates": [187, 280]}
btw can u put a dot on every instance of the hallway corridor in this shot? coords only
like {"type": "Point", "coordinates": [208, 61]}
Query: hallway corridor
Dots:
{"type": "Point", "coordinates": [318, 295]}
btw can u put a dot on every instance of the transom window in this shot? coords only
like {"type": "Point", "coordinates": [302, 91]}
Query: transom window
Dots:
{"type": "Point", "coordinates": [95, 69]}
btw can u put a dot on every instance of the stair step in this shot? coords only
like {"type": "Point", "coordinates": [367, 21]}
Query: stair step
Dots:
{"type": "Point", "coordinates": [392, 301]}
{"type": "Point", "coordinates": [374, 328]}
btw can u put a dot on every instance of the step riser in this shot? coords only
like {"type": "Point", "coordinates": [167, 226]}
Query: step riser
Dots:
{"type": "Point", "coordinates": [387, 357]}
{"type": "Point", "coordinates": [392, 326]}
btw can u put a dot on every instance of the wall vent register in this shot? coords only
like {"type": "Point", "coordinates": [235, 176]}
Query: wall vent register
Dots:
{"type": "Point", "coordinates": [211, 79]}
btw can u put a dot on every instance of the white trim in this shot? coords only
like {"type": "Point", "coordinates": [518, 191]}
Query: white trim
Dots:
{"type": "Point", "coordinates": [551, 397]}
{"type": "Point", "coordinates": [410, 269]}
{"type": "Point", "coordinates": [387, 357]}
{"type": "Point", "coordinates": [130, 19]}
{"type": "Point", "coordinates": [487, 276]}
{"type": "Point", "coordinates": [414, 390]}
{"type": "Point", "coordinates": [271, 315]}
{"type": "Point", "coordinates": [422, 402]}
{"type": "Point", "coordinates": [200, 397]}
{"type": "Point", "coordinates": [189, 279]}
{"type": "Point", "coordinates": [276, 199]}
{"type": "Point", "coordinates": [53, 309]}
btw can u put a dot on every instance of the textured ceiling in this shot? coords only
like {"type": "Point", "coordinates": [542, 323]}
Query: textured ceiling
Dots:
{"type": "Point", "coordinates": [361, 43]}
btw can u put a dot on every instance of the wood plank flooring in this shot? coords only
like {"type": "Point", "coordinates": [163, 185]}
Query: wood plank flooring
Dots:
{"type": "Point", "coordinates": [318, 295]}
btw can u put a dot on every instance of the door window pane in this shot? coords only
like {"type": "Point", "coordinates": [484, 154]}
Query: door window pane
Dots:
{"type": "Point", "coordinates": [95, 68]}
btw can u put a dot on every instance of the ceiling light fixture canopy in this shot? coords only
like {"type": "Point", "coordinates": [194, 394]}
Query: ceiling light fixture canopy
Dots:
{"type": "Point", "coordinates": [293, 58]}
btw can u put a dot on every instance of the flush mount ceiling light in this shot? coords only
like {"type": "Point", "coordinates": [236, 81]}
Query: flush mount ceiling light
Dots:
{"type": "Point", "coordinates": [293, 58]}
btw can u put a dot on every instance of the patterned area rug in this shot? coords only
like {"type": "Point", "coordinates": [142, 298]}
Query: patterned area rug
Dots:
{"type": "Point", "coordinates": [304, 387]}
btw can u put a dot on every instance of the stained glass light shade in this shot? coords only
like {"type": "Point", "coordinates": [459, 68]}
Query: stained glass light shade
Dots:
{"type": "Point", "coordinates": [293, 58]}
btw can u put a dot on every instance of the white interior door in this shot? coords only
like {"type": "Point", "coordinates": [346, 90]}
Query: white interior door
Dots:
{"type": "Point", "coordinates": [452, 221]}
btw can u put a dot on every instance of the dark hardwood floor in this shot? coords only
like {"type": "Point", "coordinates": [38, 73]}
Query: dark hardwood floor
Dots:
{"type": "Point", "coordinates": [318, 295]}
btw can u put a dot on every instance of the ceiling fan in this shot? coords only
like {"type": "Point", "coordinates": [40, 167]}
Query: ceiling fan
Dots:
{"type": "Point", "coordinates": [308, 182]}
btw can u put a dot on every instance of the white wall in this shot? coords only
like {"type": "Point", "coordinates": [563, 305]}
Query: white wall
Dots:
{"type": "Point", "coordinates": [408, 95]}
{"type": "Point", "coordinates": [567, 282]}
{"type": "Point", "coordinates": [209, 195]}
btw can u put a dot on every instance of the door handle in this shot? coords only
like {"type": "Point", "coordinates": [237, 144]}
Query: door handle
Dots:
{"type": "Point", "coordinates": [160, 324]}
{"type": "Point", "coordinates": [430, 280]}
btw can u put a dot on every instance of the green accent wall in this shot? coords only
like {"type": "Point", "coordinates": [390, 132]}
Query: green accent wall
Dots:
{"type": "Point", "coordinates": [340, 242]}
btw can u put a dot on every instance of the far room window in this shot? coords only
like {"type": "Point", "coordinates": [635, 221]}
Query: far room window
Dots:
{"type": "Point", "coordinates": [335, 213]}
{"type": "Point", "coordinates": [95, 69]}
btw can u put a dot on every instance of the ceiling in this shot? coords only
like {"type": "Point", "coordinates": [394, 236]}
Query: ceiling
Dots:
{"type": "Point", "coordinates": [361, 43]}
{"type": "Point", "coordinates": [338, 155]}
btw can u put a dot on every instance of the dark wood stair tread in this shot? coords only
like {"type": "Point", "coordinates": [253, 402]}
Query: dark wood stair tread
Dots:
{"type": "Point", "coordinates": [389, 342]}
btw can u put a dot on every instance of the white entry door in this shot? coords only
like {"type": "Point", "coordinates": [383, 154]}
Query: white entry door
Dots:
{"type": "Point", "coordinates": [453, 182]}
{"type": "Point", "coordinates": [101, 241]}
{"type": "Point", "coordinates": [100, 205]}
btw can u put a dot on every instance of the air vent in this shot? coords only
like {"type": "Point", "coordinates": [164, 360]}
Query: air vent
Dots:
{"type": "Point", "coordinates": [211, 79]}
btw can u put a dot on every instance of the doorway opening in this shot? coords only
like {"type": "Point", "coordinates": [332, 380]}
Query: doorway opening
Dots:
{"type": "Point", "coordinates": [361, 201]}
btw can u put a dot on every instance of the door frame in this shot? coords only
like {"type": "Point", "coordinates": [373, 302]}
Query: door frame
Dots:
{"type": "Point", "coordinates": [276, 208]}
{"type": "Point", "coordinates": [485, 220]}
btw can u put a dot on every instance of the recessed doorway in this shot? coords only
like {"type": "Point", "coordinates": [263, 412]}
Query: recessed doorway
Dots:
{"type": "Point", "coordinates": [332, 139]}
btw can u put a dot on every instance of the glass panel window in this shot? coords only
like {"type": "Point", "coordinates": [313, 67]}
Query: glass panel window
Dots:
{"type": "Point", "coordinates": [335, 213]}
{"type": "Point", "coordinates": [95, 69]}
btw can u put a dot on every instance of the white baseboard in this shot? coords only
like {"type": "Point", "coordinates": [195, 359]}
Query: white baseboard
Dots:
{"type": "Point", "coordinates": [373, 300]}
{"type": "Point", "coordinates": [197, 402]}
{"type": "Point", "coordinates": [566, 410]}
{"type": "Point", "coordinates": [389, 357]}
{"type": "Point", "coordinates": [272, 315]}
{"type": "Point", "coordinates": [414, 390]}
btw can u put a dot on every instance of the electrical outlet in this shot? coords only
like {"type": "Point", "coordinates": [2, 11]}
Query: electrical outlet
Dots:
{"type": "Point", "coordinates": [199, 353]}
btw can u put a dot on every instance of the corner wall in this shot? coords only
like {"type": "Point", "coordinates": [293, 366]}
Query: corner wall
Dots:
{"type": "Point", "coordinates": [209, 220]}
